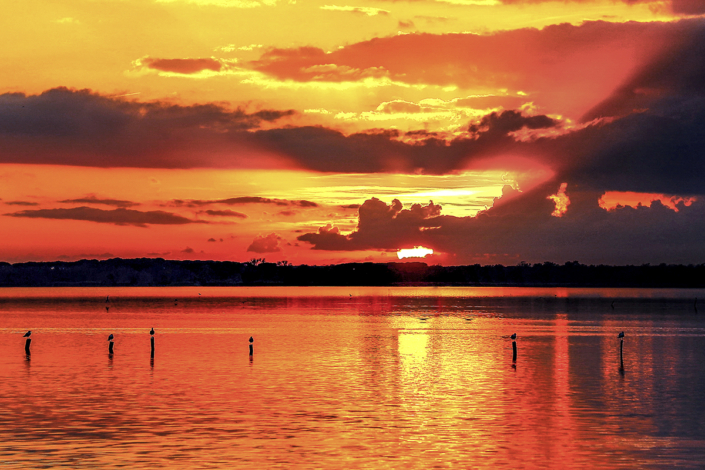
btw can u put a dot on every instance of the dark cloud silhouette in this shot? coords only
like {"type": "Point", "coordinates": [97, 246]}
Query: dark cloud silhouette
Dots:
{"type": "Point", "coordinates": [380, 226]}
{"type": "Point", "coordinates": [116, 216]}
{"type": "Point", "coordinates": [522, 228]}
{"type": "Point", "coordinates": [21, 203]}
{"type": "Point", "coordinates": [656, 141]}
{"type": "Point", "coordinates": [184, 66]}
{"type": "Point", "coordinates": [224, 213]}
{"type": "Point", "coordinates": [104, 201]}
{"type": "Point", "coordinates": [79, 127]}
{"type": "Point", "coordinates": [266, 244]}
{"type": "Point", "coordinates": [383, 152]}
{"type": "Point", "coordinates": [233, 201]}
{"type": "Point", "coordinates": [188, 250]}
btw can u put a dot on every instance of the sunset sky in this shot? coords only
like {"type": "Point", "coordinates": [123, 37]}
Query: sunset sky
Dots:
{"type": "Point", "coordinates": [330, 131]}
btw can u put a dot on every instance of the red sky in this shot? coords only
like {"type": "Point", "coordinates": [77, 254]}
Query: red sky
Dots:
{"type": "Point", "coordinates": [313, 132]}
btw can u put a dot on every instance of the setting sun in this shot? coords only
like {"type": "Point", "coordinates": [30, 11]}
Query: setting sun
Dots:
{"type": "Point", "coordinates": [415, 252]}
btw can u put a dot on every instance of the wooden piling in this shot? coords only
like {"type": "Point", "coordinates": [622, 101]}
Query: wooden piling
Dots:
{"type": "Point", "coordinates": [514, 349]}
{"type": "Point", "coordinates": [26, 346]}
{"type": "Point", "coordinates": [152, 341]}
{"type": "Point", "coordinates": [110, 347]}
{"type": "Point", "coordinates": [251, 346]}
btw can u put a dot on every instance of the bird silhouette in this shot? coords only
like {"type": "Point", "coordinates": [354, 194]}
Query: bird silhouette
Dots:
{"type": "Point", "coordinates": [252, 340]}
{"type": "Point", "coordinates": [26, 335]}
{"type": "Point", "coordinates": [151, 332]}
{"type": "Point", "coordinates": [514, 336]}
{"type": "Point", "coordinates": [110, 338]}
{"type": "Point", "coordinates": [621, 334]}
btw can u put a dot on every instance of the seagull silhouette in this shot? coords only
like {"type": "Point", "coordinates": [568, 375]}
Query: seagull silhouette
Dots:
{"type": "Point", "coordinates": [151, 332]}
{"type": "Point", "coordinates": [621, 334]}
{"type": "Point", "coordinates": [514, 336]}
{"type": "Point", "coordinates": [110, 338]}
{"type": "Point", "coordinates": [26, 335]}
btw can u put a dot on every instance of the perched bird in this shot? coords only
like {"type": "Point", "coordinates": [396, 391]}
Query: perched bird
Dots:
{"type": "Point", "coordinates": [110, 338]}
{"type": "Point", "coordinates": [621, 334]}
{"type": "Point", "coordinates": [252, 340]}
{"type": "Point", "coordinates": [26, 335]}
{"type": "Point", "coordinates": [151, 332]}
{"type": "Point", "coordinates": [514, 336]}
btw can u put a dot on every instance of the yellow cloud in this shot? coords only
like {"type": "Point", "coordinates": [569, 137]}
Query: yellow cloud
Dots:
{"type": "Point", "coordinates": [369, 11]}
{"type": "Point", "coordinates": [225, 3]}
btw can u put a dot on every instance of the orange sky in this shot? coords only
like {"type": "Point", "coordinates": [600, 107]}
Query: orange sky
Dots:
{"type": "Point", "coordinates": [235, 129]}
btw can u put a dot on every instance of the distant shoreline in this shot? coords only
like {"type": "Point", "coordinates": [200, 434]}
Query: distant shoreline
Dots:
{"type": "Point", "coordinates": [155, 272]}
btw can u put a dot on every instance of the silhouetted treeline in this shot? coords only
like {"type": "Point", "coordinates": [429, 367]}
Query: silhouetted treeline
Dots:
{"type": "Point", "coordinates": [160, 272]}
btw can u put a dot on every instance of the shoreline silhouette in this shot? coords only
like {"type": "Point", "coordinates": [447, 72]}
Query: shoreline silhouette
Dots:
{"type": "Point", "coordinates": [161, 272]}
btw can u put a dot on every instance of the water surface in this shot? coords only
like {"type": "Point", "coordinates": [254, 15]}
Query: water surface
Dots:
{"type": "Point", "coordinates": [351, 378]}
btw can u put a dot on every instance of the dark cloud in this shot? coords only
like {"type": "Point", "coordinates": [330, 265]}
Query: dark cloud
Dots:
{"type": "Point", "coordinates": [184, 66]}
{"type": "Point", "coordinates": [21, 203]}
{"type": "Point", "coordinates": [522, 228]}
{"type": "Point", "coordinates": [79, 127]}
{"type": "Point", "coordinates": [656, 141]}
{"type": "Point", "coordinates": [381, 151]}
{"type": "Point", "coordinates": [116, 216]}
{"type": "Point", "coordinates": [233, 201]}
{"type": "Point", "coordinates": [379, 226]}
{"type": "Point", "coordinates": [225, 213]}
{"type": "Point", "coordinates": [268, 244]}
{"type": "Point", "coordinates": [104, 201]}
{"type": "Point", "coordinates": [188, 250]}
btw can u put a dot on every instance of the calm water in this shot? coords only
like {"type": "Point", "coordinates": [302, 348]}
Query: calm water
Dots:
{"type": "Point", "coordinates": [352, 378]}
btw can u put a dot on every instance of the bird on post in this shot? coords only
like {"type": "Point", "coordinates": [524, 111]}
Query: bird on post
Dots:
{"type": "Point", "coordinates": [151, 332]}
{"type": "Point", "coordinates": [28, 334]}
{"type": "Point", "coordinates": [110, 338]}
{"type": "Point", "coordinates": [620, 335]}
{"type": "Point", "coordinates": [514, 336]}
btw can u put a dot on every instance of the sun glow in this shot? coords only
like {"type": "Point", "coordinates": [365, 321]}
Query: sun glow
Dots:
{"type": "Point", "coordinates": [415, 252]}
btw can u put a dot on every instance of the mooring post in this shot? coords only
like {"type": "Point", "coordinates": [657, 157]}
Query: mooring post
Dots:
{"type": "Point", "coordinates": [251, 346]}
{"type": "Point", "coordinates": [514, 348]}
{"type": "Point", "coordinates": [110, 347]}
{"type": "Point", "coordinates": [152, 341]}
{"type": "Point", "coordinates": [26, 346]}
